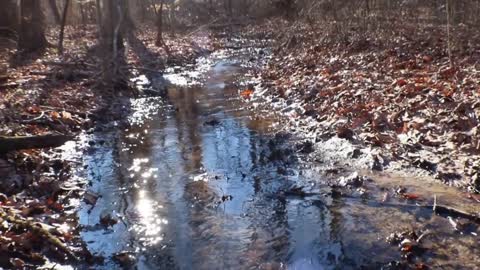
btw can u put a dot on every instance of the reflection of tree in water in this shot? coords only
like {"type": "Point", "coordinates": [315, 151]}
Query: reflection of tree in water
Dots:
{"type": "Point", "coordinates": [147, 210]}
{"type": "Point", "coordinates": [255, 228]}
{"type": "Point", "coordinates": [223, 239]}
{"type": "Point", "coordinates": [187, 122]}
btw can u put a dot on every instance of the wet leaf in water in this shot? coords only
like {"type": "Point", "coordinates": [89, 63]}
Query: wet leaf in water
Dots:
{"type": "Point", "coordinates": [246, 93]}
{"type": "Point", "coordinates": [17, 263]}
{"type": "Point", "coordinates": [411, 196]}
{"type": "Point", "coordinates": [125, 259]}
{"type": "Point", "coordinates": [107, 220]}
{"type": "Point", "coordinates": [55, 115]}
{"type": "Point", "coordinates": [421, 266]}
{"type": "Point", "coordinates": [473, 197]}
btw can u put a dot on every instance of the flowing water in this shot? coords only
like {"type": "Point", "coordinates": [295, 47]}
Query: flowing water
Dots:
{"type": "Point", "coordinates": [200, 182]}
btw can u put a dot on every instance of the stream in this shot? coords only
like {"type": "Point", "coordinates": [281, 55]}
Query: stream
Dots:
{"type": "Point", "coordinates": [201, 182]}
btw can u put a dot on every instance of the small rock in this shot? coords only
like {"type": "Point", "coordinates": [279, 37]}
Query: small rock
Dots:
{"type": "Point", "coordinates": [425, 164]}
{"type": "Point", "coordinates": [448, 177]}
{"type": "Point", "coordinates": [90, 197]}
{"type": "Point", "coordinates": [352, 180]}
{"type": "Point", "coordinates": [227, 198]}
{"type": "Point", "coordinates": [107, 220]}
{"type": "Point", "coordinates": [212, 122]}
{"type": "Point", "coordinates": [125, 259]}
{"type": "Point", "coordinates": [345, 133]}
{"type": "Point", "coordinates": [305, 147]}
{"type": "Point", "coordinates": [378, 163]}
{"type": "Point", "coordinates": [356, 153]}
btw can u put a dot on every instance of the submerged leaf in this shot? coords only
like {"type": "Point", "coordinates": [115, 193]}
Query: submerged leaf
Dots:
{"type": "Point", "coordinates": [246, 93]}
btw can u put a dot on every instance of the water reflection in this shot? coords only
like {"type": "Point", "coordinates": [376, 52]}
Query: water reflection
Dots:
{"type": "Point", "coordinates": [149, 224]}
{"type": "Point", "coordinates": [199, 184]}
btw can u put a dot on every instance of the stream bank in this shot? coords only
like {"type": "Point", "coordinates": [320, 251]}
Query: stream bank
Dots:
{"type": "Point", "coordinates": [50, 99]}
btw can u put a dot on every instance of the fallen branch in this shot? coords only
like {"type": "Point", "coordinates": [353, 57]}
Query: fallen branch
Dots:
{"type": "Point", "coordinates": [35, 229]}
{"type": "Point", "coordinates": [69, 64]}
{"type": "Point", "coordinates": [8, 144]}
{"type": "Point", "coordinates": [64, 74]}
{"type": "Point", "coordinates": [59, 109]}
{"type": "Point", "coordinates": [439, 209]}
{"type": "Point", "coordinates": [9, 85]}
{"type": "Point", "coordinates": [34, 119]}
{"type": "Point", "coordinates": [143, 69]}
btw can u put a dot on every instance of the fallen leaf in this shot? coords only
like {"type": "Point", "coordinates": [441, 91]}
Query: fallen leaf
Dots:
{"type": "Point", "coordinates": [246, 93]}
{"type": "Point", "coordinates": [411, 196]}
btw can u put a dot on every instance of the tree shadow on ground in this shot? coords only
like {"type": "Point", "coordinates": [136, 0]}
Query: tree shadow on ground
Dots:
{"type": "Point", "coordinates": [151, 64]}
{"type": "Point", "coordinates": [148, 58]}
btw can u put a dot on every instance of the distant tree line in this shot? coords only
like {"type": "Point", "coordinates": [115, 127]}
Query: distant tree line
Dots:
{"type": "Point", "coordinates": [25, 21]}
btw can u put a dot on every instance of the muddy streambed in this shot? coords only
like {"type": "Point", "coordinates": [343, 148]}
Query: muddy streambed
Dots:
{"type": "Point", "coordinates": [200, 182]}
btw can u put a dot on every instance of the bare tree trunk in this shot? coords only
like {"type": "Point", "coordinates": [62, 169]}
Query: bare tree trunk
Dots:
{"type": "Point", "coordinates": [142, 10]}
{"type": "Point", "coordinates": [160, 42]}
{"type": "Point", "coordinates": [82, 14]}
{"type": "Point", "coordinates": [55, 12]}
{"type": "Point", "coordinates": [173, 19]}
{"type": "Point", "coordinates": [9, 15]}
{"type": "Point", "coordinates": [449, 40]}
{"type": "Point", "coordinates": [98, 8]}
{"type": "Point", "coordinates": [62, 28]}
{"type": "Point", "coordinates": [32, 26]}
{"type": "Point", "coordinates": [211, 7]}
{"type": "Point", "coordinates": [228, 8]}
{"type": "Point", "coordinates": [112, 42]}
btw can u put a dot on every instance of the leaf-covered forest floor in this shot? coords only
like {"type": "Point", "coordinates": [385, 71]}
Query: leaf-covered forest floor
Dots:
{"type": "Point", "coordinates": [45, 94]}
{"type": "Point", "coordinates": [394, 94]}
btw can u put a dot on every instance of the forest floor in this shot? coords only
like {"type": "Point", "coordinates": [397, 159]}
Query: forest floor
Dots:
{"type": "Point", "coordinates": [45, 94]}
{"type": "Point", "coordinates": [395, 95]}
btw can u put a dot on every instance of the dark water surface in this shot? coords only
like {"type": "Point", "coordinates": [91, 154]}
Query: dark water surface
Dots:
{"type": "Point", "coordinates": [199, 182]}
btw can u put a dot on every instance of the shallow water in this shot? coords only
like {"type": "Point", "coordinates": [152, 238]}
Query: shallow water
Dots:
{"type": "Point", "coordinates": [200, 182]}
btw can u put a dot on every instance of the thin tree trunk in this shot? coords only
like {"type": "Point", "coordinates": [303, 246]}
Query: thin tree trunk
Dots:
{"type": "Point", "coordinates": [449, 41]}
{"type": "Point", "coordinates": [173, 19]}
{"type": "Point", "coordinates": [9, 16]}
{"type": "Point", "coordinates": [55, 12]}
{"type": "Point", "coordinates": [82, 14]}
{"type": "Point", "coordinates": [99, 13]}
{"type": "Point", "coordinates": [32, 27]}
{"type": "Point", "coordinates": [143, 10]}
{"type": "Point", "coordinates": [112, 42]}
{"type": "Point", "coordinates": [152, 2]}
{"type": "Point", "coordinates": [62, 28]}
{"type": "Point", "coordinates": [159, 41]}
